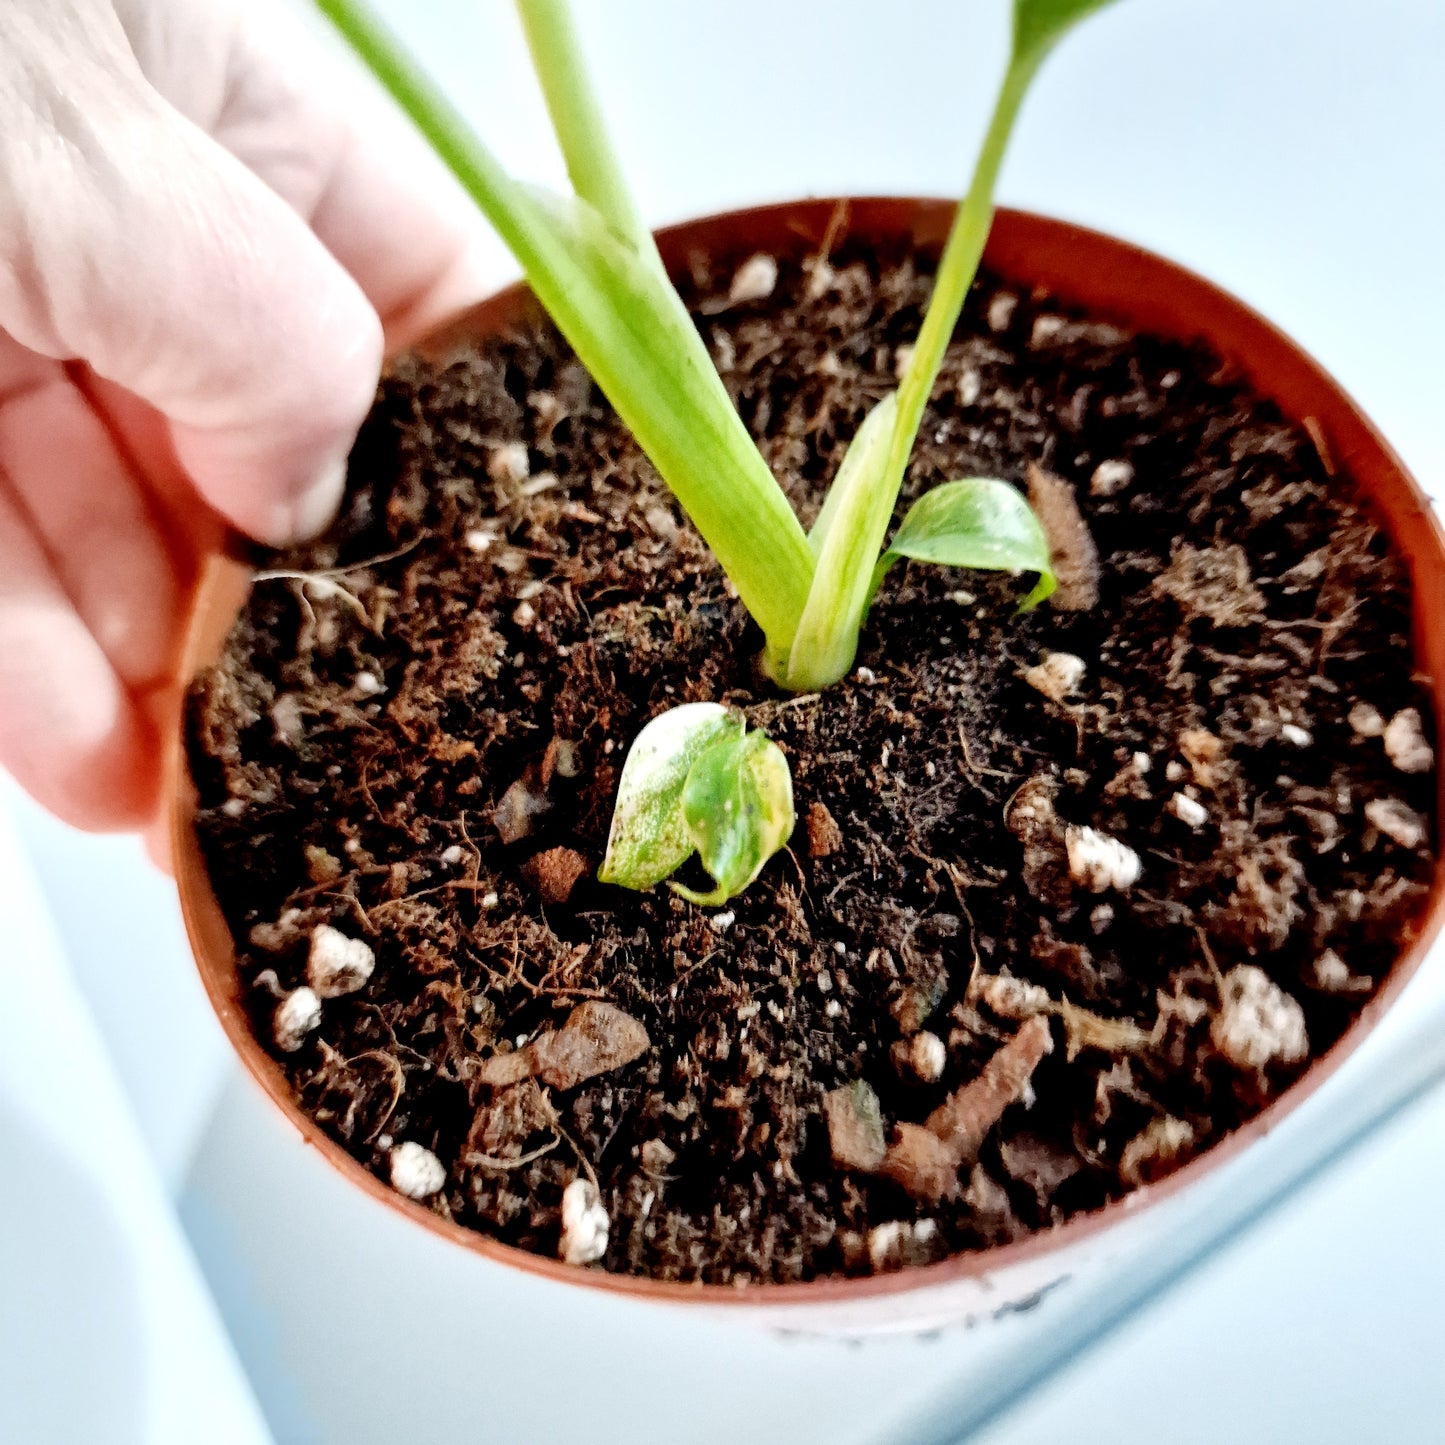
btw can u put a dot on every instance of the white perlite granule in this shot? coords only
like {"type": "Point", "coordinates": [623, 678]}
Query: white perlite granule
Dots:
{"type": "Point", "coordinates": [1332, 974]}
{"type": "Point", "coordinates": [928, 1054]}
{"type": "Point", "coordinates": [1099, 862]}
{"type": "Point", "coordinates": [1190, 811]}
{"type": "Point", "coordinates": [296, 1015]}
{"type": "Point", "coordinates": [1010, 997]}
{"type": "Point", "coordinates": [1110, 477]}
{"type": "Point", "coordinates": [1405, 743]}
{"type": "Point", "coordinates": [1059, 674]}
{"type": "Point", "coordinates": [1396, 821]}
{"type": "Point", "coordinates": [584, 1224]}
{"type": "Point", "coordinates": [1366, 720]}
{"type": "Point", "coordinates": [416, 1172]}
{"type": "Point", "coordinates": [509, 463]}
{"type": "Point", "coordinates": [754, 280]}
{"type": "Point", "coordinates": [1001, 308]}
{"type": "Point", "coordinates": [1258, 1023]}
{"type": "Point", "coordinates": [336, 964]}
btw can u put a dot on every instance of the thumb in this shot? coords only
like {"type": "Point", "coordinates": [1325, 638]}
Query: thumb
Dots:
{"type": "Point", "coordinates": [131, 240]}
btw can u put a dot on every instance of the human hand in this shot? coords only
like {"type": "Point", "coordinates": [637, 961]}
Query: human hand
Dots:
{"type": "Point", "coordinates": [207, 238]}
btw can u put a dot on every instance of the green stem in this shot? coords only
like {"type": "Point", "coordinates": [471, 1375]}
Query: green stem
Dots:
{"type": "Point", "coordinates": [956, 270]}
{"type": "Point", "coordinates": [860, 503]}
{"type": "Point", "coordinates": [479, 172]}
{"type": "Point", "coordinates": [637, 340]}
{"type": "Point", "coordinates": [577, 118]}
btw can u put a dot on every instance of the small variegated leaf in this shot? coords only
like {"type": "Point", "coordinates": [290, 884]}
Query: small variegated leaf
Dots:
{"type": "Point", "coordinates": [649, 836]}
{"type": "Point", "coordinates": [738, 802]}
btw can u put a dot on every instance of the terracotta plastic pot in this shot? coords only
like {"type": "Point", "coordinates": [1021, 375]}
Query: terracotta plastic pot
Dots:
{"type": "Point", "coordinates": [1109, 279]}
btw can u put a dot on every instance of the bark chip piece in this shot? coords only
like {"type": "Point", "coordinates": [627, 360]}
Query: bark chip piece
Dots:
{"type": "Point", "coordinates": [516, 811]}
{"type": "Point", "coordinates": [921, 1163]}
{"type": "Point", "coordinates": [855, 1127]}
{"type": "Point", "coordinates": [1158, 1149]}
{"type": "Point", "coordinates": [596, 1038]}
{"type": "Point", "coordinates": [1212, 583]}
{"type": "Point", "coordinates": [1076, 558]}
{"type": "Point", "coordinates": [337, 965]}
{"type": "Point", "coordinates": [1205, 755]}
{"type": "Point", "coordinates": [825, 837]}
{"type": "Point", "coordinates": [555, 873]}
{"type": "Point", "coordinates": [925, 1159]}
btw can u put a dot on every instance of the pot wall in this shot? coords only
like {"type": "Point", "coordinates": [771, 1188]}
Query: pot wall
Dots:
{"type": "Point", "coordinates": [1116, 281]}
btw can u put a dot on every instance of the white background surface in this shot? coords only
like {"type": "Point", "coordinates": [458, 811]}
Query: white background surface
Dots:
{"type": "Point", "coordinates": [1291, 151]}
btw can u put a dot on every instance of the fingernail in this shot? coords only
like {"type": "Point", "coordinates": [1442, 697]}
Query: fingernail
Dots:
{"type": "Point", "coordinates": [310, 513]}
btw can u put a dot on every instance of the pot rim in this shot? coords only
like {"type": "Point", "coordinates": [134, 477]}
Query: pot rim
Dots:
{"type": "Point", "coordinates": [1083, 267]}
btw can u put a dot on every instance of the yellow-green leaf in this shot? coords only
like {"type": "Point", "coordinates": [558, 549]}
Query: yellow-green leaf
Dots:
{"type": "Point", "coordinates": [977, 522]}
{"type": "Point", "coordinates": [738, 802]}
{"type": "Point", "coordinates": [649, 836]}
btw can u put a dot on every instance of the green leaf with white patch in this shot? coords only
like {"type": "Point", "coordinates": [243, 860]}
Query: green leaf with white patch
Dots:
{"type": "Point", "coordinates": [977, 522]}
{"type": "Point", "coordinates": [649, 837]}
{"type": "Point", "coordinates": [738, 802]}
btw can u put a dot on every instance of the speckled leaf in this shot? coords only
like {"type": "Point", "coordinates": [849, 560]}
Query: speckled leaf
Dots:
{"type": "Point", "coordinates": [738, 802]}
{"type": "Point", "coordinates": [649, 835]}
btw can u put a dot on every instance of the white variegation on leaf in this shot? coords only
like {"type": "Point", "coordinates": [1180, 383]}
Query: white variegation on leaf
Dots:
{"type": "Point", "coordinates": [696, 781]}
{"type": "Point", "coordinates": [649, 837]}
{"type": "Point", "coordinates": [738, 802]}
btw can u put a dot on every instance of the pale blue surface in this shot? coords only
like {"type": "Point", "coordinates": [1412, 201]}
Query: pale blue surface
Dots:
{"type": "Point", "coordinates": [108, 1334]}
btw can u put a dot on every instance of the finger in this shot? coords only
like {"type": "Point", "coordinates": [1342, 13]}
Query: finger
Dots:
{"type": "Point", "coordinates": [143, 437]}
{"type": "Point", "coordinates": [173, 271]}
{"type": "Point", "coordinates": [385, 206]}
{"type": "Point", "coordinates": [90, 515]}
{"type": "Point", "coordinates": [69, 732]}
{"type": "Point", "coordinates": [327, 140]}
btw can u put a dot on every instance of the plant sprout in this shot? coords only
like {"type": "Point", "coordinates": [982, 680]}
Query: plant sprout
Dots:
{"type": "Point", "coordinates": [595, 268]}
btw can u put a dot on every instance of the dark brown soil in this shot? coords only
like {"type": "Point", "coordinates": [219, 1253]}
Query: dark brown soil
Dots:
{"type": "Point", "coordinates": [422, 749]}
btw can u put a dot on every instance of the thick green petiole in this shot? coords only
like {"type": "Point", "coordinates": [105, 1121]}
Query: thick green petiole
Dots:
{"type": "Point", "coordinates": [864, 494]}
{"type": "Point", "coordinates": [594, 266]}
{"type": "Point", "coordinates": [577, 119]}
{"type": "Point", "coordinates": [610, 299]}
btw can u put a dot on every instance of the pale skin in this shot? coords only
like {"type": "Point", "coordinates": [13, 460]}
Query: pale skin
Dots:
{"type": "Point", "coordinates": [210, 234]}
